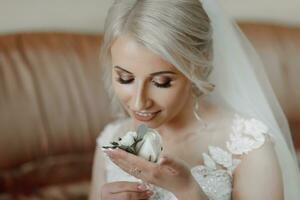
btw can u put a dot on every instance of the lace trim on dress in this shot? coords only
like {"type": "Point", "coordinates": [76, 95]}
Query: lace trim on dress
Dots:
{"type": "Point", "coordinates": [247, 135]}
{"type": "Point", "coordinates": [215, 175]}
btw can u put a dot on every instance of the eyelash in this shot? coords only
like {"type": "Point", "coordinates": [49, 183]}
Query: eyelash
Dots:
{"type": "Point", "coordinates": [165, 85]}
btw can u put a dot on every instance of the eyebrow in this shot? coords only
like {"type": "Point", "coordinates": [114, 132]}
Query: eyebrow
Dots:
{"type": "Point", "coordinates": [152, 74]}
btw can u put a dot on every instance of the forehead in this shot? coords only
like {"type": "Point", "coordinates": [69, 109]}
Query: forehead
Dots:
{"type": "Point", "coordinates": [134, 57]}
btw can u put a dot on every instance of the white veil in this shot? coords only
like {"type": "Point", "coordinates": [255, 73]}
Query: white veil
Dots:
{"type": "Point", "coordinates": [243, 86]}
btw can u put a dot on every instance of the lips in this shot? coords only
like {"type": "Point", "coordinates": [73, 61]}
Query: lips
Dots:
{"type": "Point", "coordinates": [145, 116]}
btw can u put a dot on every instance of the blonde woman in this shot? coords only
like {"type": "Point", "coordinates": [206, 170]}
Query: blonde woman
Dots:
{"type": "Point", "coordinates": [182, 68]}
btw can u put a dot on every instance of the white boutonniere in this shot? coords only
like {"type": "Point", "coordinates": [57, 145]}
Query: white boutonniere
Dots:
{"type": "Point", "coordinates": [145, 142]}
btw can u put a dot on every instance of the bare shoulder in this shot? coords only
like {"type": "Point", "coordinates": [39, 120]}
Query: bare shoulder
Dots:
{"type": "Point", "coordinates": [247, 139]}
{"type": "Point", "coordinates": [239, 134]}
{"type": "Point", "coordinates": [251, 143]}
{"type": "Point", "coordinates": [258, 169]}
{"type": "Point", "coordinates": [219, 127]}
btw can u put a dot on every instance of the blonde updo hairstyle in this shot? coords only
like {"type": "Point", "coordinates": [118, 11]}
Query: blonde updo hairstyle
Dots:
{"type": "Point", "coordinates": [177, 30]}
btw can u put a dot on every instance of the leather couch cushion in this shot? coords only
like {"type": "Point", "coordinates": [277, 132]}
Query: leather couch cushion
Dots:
{"type": "Point", "coordinates": [52, 104]}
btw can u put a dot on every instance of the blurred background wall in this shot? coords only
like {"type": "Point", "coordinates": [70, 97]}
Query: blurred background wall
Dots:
{"type": "Point", "coordinates": [88, 15]}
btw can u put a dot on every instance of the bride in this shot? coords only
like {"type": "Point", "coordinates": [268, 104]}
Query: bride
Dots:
{"type": "Point", "coordinates": [183, 68]}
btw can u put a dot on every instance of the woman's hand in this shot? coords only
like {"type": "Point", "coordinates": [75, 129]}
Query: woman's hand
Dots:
{"type": "Point", "coordinates": [125, 191]}
{"type": "Point", "coordinates": [168, 173]}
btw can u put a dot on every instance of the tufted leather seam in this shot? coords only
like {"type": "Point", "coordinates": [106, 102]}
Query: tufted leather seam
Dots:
{"type": "Point", "coordinates": [40, 105]}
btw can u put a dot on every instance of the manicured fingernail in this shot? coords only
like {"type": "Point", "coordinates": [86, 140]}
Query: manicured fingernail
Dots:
{"type": "Point", "coordinates": [108, 151]}
{"type": "Point", "coordinates": [142, 187]}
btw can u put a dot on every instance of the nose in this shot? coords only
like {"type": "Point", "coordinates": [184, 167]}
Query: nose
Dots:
{"type": "Point", "coordinates": [140, 98]}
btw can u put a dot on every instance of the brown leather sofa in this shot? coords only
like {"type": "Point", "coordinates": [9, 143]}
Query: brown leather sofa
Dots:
{"type": "Point", "coordinates": [53, 106]}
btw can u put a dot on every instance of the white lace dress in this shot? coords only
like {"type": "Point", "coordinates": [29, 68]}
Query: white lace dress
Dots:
{"type": "Point", "coordinates": [215, 175]}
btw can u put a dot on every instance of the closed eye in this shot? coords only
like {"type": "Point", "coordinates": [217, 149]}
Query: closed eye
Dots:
{"type": "Point", "coordinates": [124, 81]}
{"type": "Point", "coordinates": [166, 84]}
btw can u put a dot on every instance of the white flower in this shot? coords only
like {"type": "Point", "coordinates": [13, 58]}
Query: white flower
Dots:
{"type": "Point", "coordinates": [146, 143]}
{"type": "Point", "coordinates": [150, 146]}
{"type": "Point", "coordinates": [128, 139]}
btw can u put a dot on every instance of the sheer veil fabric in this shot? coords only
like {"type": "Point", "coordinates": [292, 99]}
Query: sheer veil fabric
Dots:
{"type": "Point", "coordinates": [241, 84]}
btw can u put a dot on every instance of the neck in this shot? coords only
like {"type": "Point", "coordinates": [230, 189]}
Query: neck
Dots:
{"type": "Point", "coordinates": [185, 122]}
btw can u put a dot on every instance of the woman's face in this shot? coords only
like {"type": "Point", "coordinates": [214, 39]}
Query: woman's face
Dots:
{"type": "Point", "coordinates": [151, 90]}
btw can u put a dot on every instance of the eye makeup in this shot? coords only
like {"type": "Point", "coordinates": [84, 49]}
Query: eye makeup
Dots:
{"type": "Point", "coordinates": [126, 77]}
{"type": "Point", "coordinates": [161, 84]}
{"type": "Point", "coordinates": [164, 82]}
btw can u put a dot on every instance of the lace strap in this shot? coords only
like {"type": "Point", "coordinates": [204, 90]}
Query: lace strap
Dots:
{"type": "Point", "coordinates": [247, 135]}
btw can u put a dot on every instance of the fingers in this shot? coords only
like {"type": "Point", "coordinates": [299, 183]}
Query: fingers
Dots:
{"type": "Point", "coordinates": [136, 166]}
{"type": "Point", "coordinates": [130, 163]}
{"type": "Point", "coordinates": [121, 155]}
{"type": "Point", "coordinates": [125, 190]}
{"type": "Point", "coordinates": [132, 195]}
{"type": "Point", "coordinates": [125, 186]}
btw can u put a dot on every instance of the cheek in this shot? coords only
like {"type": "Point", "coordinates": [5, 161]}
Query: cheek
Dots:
{"type": "Point", "coordinates": [173, 98]}
{"type": "Point", "coordinates": [122, 91]}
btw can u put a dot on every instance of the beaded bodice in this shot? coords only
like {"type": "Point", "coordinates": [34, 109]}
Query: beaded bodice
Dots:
{"type": "Point", "coordinates": [215, 176]}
